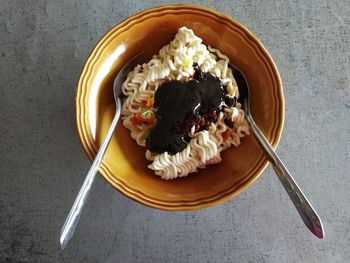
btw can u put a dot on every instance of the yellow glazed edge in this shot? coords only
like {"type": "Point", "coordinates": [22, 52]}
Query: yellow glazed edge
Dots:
{"type": "Point", "coordinates": [91, 151]}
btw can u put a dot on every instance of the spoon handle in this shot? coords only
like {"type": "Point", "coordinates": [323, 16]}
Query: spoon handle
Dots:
{"type": "Point", "coordinates": [303, 206]}
{"type": "Point", "coordinates": [74, 214]}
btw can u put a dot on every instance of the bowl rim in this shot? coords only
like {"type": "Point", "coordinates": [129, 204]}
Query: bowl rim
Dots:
{"type": "Point", "coordinates": [91, 150]}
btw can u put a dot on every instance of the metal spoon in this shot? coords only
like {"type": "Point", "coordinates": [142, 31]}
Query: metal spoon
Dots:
{"type": "Point", "coordinates": [74, 214]}
{"type": "Point", "coordinates": [303, 206]}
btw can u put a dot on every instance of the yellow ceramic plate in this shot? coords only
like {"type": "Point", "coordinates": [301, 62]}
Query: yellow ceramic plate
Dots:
{"type": "Point", "coordinates": [124, 165]}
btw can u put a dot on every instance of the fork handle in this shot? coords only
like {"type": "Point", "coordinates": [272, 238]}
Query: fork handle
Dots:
{"type": "Point", "coordinates": [303, 206]}
{"type": "Point", "coordinates": [74, 214]}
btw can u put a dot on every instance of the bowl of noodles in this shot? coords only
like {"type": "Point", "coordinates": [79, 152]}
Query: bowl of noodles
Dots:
{"type": "Point", "coordinates": [182, 142]}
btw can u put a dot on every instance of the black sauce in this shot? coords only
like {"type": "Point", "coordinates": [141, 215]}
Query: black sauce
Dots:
{"type": "Point", "coordinates": [230, 102]}
{"type": "Point", "coordinates": [179, 106]}
{"type": "Point", "coordinates": [211, 91]}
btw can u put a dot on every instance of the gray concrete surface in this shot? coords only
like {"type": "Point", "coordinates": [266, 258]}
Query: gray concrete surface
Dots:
{"type": "Point", "coordinates": [43, 45]}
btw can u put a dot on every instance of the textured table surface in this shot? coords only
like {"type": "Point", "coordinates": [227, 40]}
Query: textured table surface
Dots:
{"type": "Point", "coordinates": [43, 45]}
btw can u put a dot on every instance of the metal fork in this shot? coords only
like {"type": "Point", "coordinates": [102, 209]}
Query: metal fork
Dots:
{"type": "Point", "coordinates": [303, 206]}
